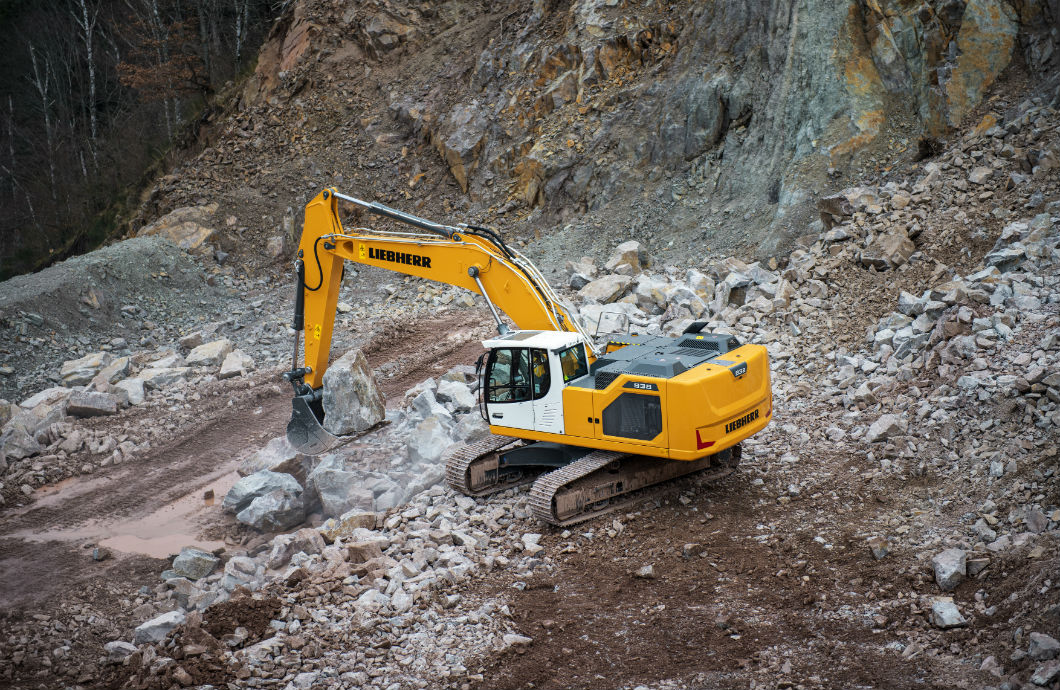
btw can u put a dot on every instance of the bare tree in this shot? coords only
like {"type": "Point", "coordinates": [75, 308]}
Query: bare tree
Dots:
{"type": "Point", "coordinates": [42, 83]}
{"type": "Point", "coordinates": [87, 23]}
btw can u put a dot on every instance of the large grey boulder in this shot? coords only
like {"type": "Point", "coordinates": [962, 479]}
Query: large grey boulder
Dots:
{"type": "Point", "coordinates": [16, 443]}
{"type": "Point", "coordinates": [118, 651]}
{"type": "Point", "coordinates": [1043, 647]}
{"type": "Point", "coordinates": [236, 363]}
{"type": "Point", "coordinates": [428, 441]}
{"type": "Point", "coordinates": [92, 404]}
{"type": "Point", "coordinates": [156, 629]}
{"type": "Point", "coordinates": [950, 568]}
{"type": "Point", "coordinates": [885, 427]}
{"type": "Point", "coordinates": [243, 492]}
{"type": "Point", "coordinates": [607, 289]}
{"type": "Point", "coordinates": [338, 489]}
{"type": "Point", "coordinates": [49, 396]}
{"type": "Point", "coordinates": [630, 253]}
{"type": "Point", "coordinates": [134, 387]}
{"type": "Point", "coordinates": [307, 541]}
{"type": "Point", "coordinates": [209, 354]}
{"type": "Point", "coordinates": [457, 394]}
{"type": "Point", "coordinates": [160, 377]}
{"type": "Point", "coordinates": [276, 511]}
{"type": "Point", "coordinates": [352, 400]}
{"type": "Point", "coordinates": [194, 563]}
{"type": "Point", "coordinates": [277, 456]}
{"type": "Point", "coordinates": [79, 372]}
{"type": "Point", "coordinates": [945, 614]}
{"type": "Point", "coordinates": [888, 251]}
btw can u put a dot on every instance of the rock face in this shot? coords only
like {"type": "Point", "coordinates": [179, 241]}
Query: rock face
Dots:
{"type": "Point", "coordinates": [352, 400]}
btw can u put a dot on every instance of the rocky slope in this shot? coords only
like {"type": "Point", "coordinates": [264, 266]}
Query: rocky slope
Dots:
{"type": "Point", "coordinates": [708, 126]}
{"type": "Point", "coordinates": [895, 526]}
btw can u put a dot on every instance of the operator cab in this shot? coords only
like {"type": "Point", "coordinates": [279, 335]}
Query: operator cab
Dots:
{"type": "Point", "coordinates": [524, 376]}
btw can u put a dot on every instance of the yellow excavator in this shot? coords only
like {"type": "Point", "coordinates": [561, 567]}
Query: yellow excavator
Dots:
{"type": "Point", "coordinates": [600, 420]}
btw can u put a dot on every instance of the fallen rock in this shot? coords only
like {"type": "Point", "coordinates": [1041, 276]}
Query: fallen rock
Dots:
{"type": "Point", "coordinates": [92, 404]}
{"type": "Point", "coordinates": [156, 629]}
{"type": "Point", "coordinates": [885, 427]}
{"type": "Point", "coordinates": [48, 396]}
{"type": "Point", "coordinates": [950, 568]}
{"type": "Point", "coordinates": [428, 441]}
{"type": "Point", "coordinates": [163, 376]}
{"type": "Point", "coordinates": [194, 563]}
{"type": "Point", "coordinates": [118, 651]}
{"type": "Point", "coordinates": [209, 354]}
{"type": "Point", "coordinates": [236, 363]}
{"type": "Point", "coordinates": [1044, 674]}
{"type": "Point", "coordinates": [277, 456]}
{"type": "Point", "coordinates": [275, 511]}
{"type": "Point", "coordinates": [249, 488]}
{"type": "Point", "coordinates": [945, 614]}
{"type": "Point", "coordinates": [185, 227]}
{"type": "Point", "coordinates": [339, 490]}
{"type": "Point", "coordinates": [307, 541]}
{"type": "Point", "coordinates": [630, 253]}
{"type": "Point", "coordinates": [1043, 647]}
{"type": "Point", "coordinates": [352, 399]}
{"type": "Point", "coordinates": [134, 387]}
{"type": "Point", "coordinates": [79, 372]}
{"type": "Point", "coordinates": [607, 289]}
{"type": "Point", "coordinates": [342, 527]}
{"type": "Point", "coordinates": [888, 251]}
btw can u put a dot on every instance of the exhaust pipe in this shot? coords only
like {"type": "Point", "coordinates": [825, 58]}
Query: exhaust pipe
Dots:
{"type": "Point", "coordinates": [305, 431]}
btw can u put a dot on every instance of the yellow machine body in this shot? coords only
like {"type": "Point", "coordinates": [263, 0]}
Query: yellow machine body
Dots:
{"type": "Point", "coordinates": [710, 405]}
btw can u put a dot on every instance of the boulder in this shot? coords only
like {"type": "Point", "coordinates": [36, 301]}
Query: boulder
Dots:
{"type": "Point", "coordinates": [115, 371]}
{"type": "Point", "coordinates": [48, 396]}
{"type": "Point", "coordinates": [607, 289]}
{"type": "Point", "coordinates": [344, 526]}
{"type": "Point", "coordinates": [134, 387]}
{"type": "Point", "coordinates": [118, 651]}
{"type": "Point", "coordinates": [456, 393]}
{"type": "Point", "coordinates": [275, 511]}
{"type": "Point", "coordinates": [16, 443]}
{"type": "Point", "coordinates": [950, 568]}
{"type": "Point", "coordinates": [236, 363]}
{"type": "Point", "coordinates": [885, 427]}
{"type": "Point", "coordinates": [209, 354]}
{"type": "Point", "coordinates": [630, 253]}
{"type": "Point", "coordinates": [80, 372]}
{"type": "Point", "coordinates": [156, 629]}
{"type": "Point", "coordinates": [160, 377]}
{"type": "Point", "coordinates": [338, 489]}
{"type": "Point", "coordinates": [277, 456]}
{"type": "Point", "coordinates": [92, 404]}
{"type": "Point", "coordinates": [888, 251]}
{"type": "Point", "coordinates": [307, 541]}
{"type": "Point", "coordinates": [244, 491]}
{"type": "Point", "coordinates": [1043, 647]}
{"type": "Point", "coordinates": [186, 227]}
{"type": "Point", "coordinates": [945, 614]}
{"type": "Point", "coordinates": [352, 399]}
{"type": "Point", "coordinates": [194, 563]}
{"type": "Point", "coordinates": [428, 441]}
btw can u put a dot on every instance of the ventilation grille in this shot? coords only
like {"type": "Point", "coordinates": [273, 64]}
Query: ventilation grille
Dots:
{"type": "Point", "coordinates": [603, 379]}
{"type": "Point", "coordinates": [699, 344]}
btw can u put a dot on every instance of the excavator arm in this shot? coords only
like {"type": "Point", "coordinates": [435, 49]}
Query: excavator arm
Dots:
{"type": "Point", "coordinates": [468, 257]}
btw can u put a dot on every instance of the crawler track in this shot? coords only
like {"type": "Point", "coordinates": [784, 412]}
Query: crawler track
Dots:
{"type": "Point", "coordinates": [606, 480]}
{"type": "Point", "coordinates": [473, 469]}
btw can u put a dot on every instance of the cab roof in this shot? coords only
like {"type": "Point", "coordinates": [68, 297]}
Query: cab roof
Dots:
{"type": "Point", "coordinates": [546, 340]}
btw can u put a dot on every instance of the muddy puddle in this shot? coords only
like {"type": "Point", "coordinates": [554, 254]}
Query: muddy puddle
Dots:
{"type": "Point", "coordinates": [159, 534]}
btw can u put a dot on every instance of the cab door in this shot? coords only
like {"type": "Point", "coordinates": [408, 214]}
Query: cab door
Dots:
{"type": "Point", "coordinates": [509, 401]}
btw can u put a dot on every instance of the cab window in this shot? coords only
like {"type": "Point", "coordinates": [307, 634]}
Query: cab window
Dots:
{"type": "Point", "coordinates": [572, 362]}
{"type": "Point", "coordinates": [509, 375]}
{"type": "Point", "coordinates": [542, 379]}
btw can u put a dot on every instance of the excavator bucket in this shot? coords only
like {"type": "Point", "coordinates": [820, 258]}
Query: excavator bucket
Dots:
{"type": "Point", "coordinates": [304, 431]}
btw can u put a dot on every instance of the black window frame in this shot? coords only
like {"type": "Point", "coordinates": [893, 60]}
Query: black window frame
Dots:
{"type": "Point", "coordinates": [534, 394]}
{"type": "Point", "coordinates": [491, 390]}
